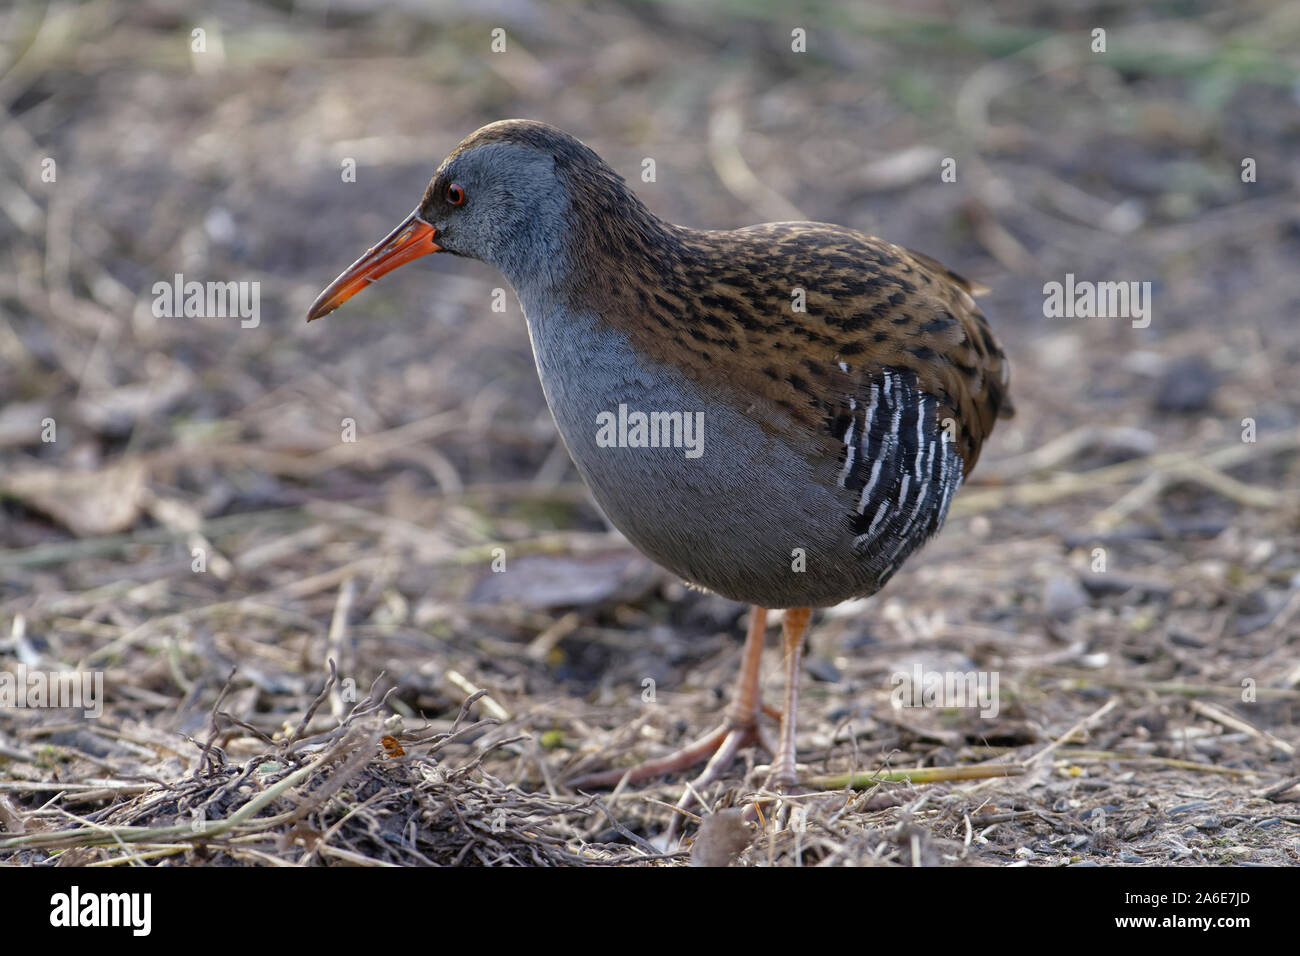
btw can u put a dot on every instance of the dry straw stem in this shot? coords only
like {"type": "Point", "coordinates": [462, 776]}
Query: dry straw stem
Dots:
{"type": "Point", "coordinates": [861, 781]}
{"type": "Point", "coordinates": [340, 805]}
{"type": "Point", "coordinates": [300, 588]}
{"type": "Point", "coordinates": [197, 831]}
{"type": "Point", "coordinates": [103, 546]}
{"type": "Point", "coordinates": [463, 683]}
{"type": "Point", "coordinates": [1090, 721]}
{"type": "Point", "coordinates": [1175, 688]}
{"type": "Point", "coordinates": [347, 738]}
{"type": "Point", "coordinates": [1273, 791]}
{"type": "Point", "coordinates": [1077, 755]}
{"type": "Point", "coordinates": [1158, 471]}
{"type": "Point", "coordinates": [1233, 722]}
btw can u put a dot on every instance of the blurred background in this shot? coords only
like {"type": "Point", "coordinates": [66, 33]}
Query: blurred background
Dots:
{"type": "Point", "coordinates": [133, 446]}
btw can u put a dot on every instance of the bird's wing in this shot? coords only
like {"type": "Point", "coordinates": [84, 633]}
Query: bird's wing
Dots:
{"type": "Point", "coordinates": [867, 306]}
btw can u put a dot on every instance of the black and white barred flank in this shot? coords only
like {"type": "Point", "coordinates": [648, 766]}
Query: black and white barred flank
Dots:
{"type": "Point", "coordinates": [900, 466]}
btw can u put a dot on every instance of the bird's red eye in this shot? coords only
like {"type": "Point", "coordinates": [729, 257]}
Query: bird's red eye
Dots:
{"type": "Point", "coordinates": [455, 194]}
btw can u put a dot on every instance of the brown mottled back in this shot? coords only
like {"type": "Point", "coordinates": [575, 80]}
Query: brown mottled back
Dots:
{"type": "Point", "coordinates": [725, 307]}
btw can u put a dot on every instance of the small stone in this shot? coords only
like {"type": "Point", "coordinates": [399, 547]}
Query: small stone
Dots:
{"type": "Point", "coordinates": [722, 838]}
{"type": "Point", "coordinates": [1063, 595]}
{"type": "Point", "coordinates": [1137, 826]}
{"type": "Point", "coordinates": [1187, 386]}
{"type": "Point", "coordinates": [822, 669]}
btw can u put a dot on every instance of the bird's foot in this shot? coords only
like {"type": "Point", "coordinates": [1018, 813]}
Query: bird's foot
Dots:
{"type": "Point", "coordinates": [779, 801]}
{"type": "Point", "coordinates": [718, 747]}
{"type": "Point", "coordinates": [716, 750]}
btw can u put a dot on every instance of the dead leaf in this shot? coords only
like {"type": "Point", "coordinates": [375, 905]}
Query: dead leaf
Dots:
{"type": "Point", "coordinates": [88, 503]}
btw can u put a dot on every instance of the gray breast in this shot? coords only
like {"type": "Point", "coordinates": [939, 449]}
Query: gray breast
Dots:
{"type": "Point", "coordinates": [719, 502]}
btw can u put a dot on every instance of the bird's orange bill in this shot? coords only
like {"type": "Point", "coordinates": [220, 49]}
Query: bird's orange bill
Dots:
{"type": "Point", "coordinates": [410, 240]}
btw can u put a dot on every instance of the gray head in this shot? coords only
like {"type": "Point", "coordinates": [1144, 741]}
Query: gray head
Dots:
{"type": "Point", "coordinates": [522, 196]}
{"type": "Point", "coordinates": [501, 198]}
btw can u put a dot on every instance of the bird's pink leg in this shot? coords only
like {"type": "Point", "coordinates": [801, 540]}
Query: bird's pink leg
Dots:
{"type": "Point", "coordinates": [720, 745]}
{"type": "Point", "coordinates": [783, 775]}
